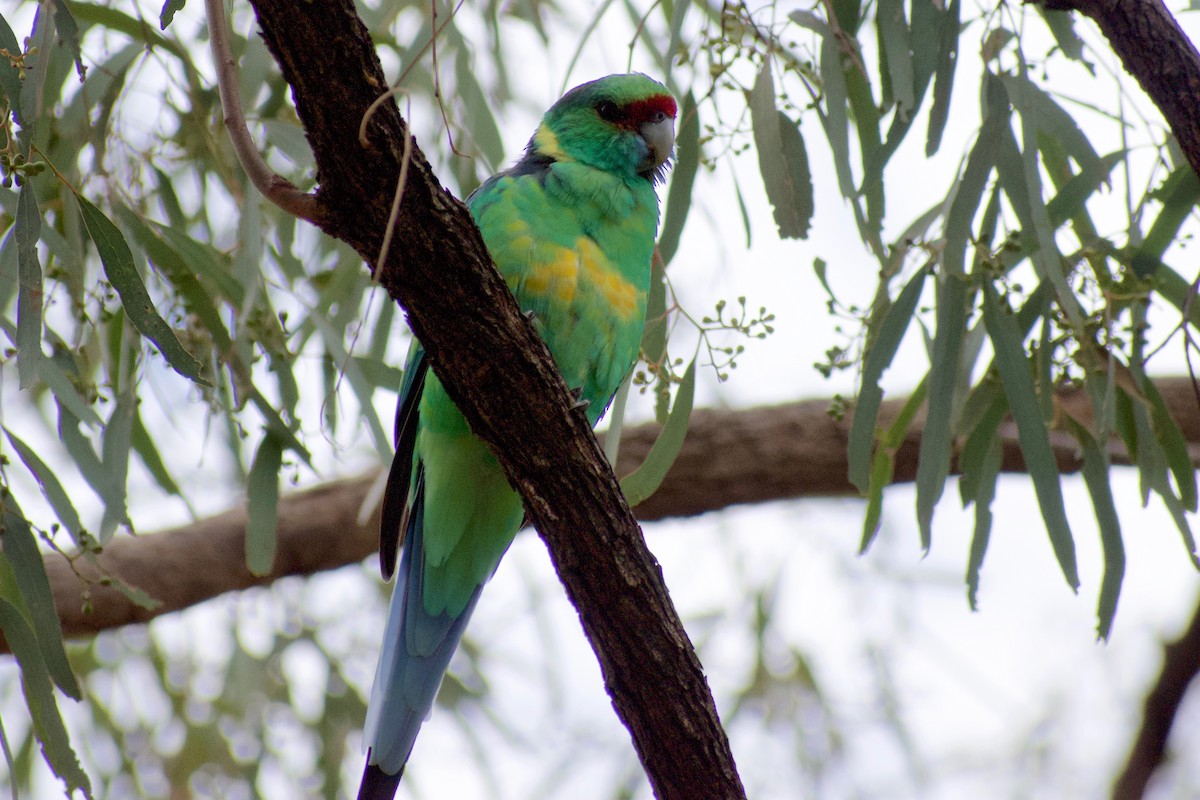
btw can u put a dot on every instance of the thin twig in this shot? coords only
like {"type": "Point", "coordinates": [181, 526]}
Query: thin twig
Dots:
{"type": "Point", "coordinates": [276, 188]}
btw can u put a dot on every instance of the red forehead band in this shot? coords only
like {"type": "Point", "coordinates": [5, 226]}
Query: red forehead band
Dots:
{"type": "Point", "coordinates": [646, 109]}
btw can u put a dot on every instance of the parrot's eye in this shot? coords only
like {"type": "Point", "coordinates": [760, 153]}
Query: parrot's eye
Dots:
{"type": "Point", "coordinates": [608, 111]}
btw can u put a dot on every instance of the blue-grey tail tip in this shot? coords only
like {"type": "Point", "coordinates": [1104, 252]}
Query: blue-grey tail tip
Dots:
{"type": "Point", "coordinates": [377, 784]}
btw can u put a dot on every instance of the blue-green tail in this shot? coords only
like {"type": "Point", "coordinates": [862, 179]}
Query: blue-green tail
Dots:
{"type": "Point", "coordinates": [417, 647]}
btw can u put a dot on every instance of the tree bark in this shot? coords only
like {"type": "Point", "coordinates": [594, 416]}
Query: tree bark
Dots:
{"type": "Point", "coordinates": [499, 373]}
{"type": "Point", "coordinates": [1181, 661]}
{"type": "Point", "coordinates": [1158, 54]}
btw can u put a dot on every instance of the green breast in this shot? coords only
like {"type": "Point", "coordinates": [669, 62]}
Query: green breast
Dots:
{"type": "Point", "coordinates": [575, 244]}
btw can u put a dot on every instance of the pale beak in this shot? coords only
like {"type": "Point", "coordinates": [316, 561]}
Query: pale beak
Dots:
{"type": "Point", "coordinates": [659, 136]}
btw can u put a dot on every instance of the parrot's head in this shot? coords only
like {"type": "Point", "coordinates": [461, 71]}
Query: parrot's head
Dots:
{"type": "Point", "coordinates": [623, 124]}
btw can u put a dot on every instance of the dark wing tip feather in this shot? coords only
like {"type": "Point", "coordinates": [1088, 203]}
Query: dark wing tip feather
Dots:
{"type": "Point", "coordinates": [392, 521]}
{"type": "Point", "coordinates": [377, 784]}
{"type": "Point", "coordinates": [395, 496]}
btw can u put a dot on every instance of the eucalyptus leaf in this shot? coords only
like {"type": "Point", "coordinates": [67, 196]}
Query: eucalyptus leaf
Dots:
{"type": "Point", "coordinates": [39, 696]}
{"type": "Point", "coordinates": [1013, 366]}
{"type": "Point", "coordinates": [52, 488]}
{"type": "Point", "coordinates": [683, 177]}
{"type": "Point", "coordinates": [123, 275]}
{"type": "Point", "coordinates": [29, 294]}
{"type": "Point", "coordinates": [782, 160]}
{"type": "Point", "coordinates": [29, 572]}
{"type": "Point", "coordinates": [645, 480]}
{"type": "Point", "coordinates": [262, 505]}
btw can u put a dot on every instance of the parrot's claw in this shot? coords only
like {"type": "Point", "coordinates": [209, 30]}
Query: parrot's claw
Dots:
{"type": "Point", "coordinates": [580, 404]}
{"type": "Point", "coordinates": [530, 315]}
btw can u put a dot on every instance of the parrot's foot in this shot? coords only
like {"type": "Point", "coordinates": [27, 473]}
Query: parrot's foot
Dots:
{"type": "Point", "coordinates": [579, 404]}
{"type": "Point", "coordinates": [530, 315]}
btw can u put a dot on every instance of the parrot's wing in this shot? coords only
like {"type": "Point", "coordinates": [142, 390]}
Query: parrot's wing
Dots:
{"type": "Point", "coordinates": [399, 483]}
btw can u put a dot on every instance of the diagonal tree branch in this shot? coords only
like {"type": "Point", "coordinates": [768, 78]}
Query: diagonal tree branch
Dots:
{"type": "Point", "coordinates": [496, 369]}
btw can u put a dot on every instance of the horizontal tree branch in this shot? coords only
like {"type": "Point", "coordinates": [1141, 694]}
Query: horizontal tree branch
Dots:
{"type": "Point", "coordinates": [729, 458]}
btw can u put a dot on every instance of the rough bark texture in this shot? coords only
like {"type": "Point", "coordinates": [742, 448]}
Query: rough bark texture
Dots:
{"type": "Point", "coordinates": [729, 458]}
{"type": "Point", "coordinates": [1156, 52]}
{"type": "Point", "coordinates": [499, 373]}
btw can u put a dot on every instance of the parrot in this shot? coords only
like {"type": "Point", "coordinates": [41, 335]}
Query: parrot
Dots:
{"type": "Point", "coordinates": [572, 227]}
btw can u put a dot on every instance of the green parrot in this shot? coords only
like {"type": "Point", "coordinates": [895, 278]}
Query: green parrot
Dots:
{"type": "Point", "coordinates": [571, 227]}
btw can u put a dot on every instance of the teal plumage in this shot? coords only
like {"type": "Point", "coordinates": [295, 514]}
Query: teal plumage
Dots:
{"type": "Point", "coordinates": [571, 227]}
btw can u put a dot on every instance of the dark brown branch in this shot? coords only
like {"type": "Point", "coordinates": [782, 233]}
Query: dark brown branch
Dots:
{"type": "Point", "coordinates": [1155, 51]}
{"type": "Point", "coordinates": [1181, 662]}
{"type": "Point", "coordinates": [499, 373]}
{"type": "Point", "coordinates": [729, 457]}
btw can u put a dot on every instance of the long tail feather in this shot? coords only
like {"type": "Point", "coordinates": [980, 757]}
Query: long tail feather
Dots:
{"type": "Point", "coordinates": [417, 647]}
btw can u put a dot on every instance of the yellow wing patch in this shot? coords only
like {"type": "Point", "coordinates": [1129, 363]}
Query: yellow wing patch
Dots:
{"type": "Point", "coordinates": [554, 269]}
{"type": "Point", "coordinates": [621, 295]}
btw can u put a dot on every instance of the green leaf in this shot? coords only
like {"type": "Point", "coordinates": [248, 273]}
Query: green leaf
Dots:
{"type": "Point", "coordinates": [29, 572]}
{"type": "Point", "coordinates": [1013, 367]}
{"type": "Point", "coordinates": [885, 458]}
{"type": "Point", "coordinates": [1020, 176]}
{"type": "Point", "coordinates": [1062, 26]}
{"type": "Point", "coordinates": [287, 136]}
{"type": "Point", "coordinates": [68, 34]}
{"type": "Point", "coordinates": [988, 399]}
{"type": "Point", "coordinates": [52, 489]}
{"type": "Point", "coordinates": [29, 296]}
{"type": "Point", "coordinates": [39, 696]}
{"type": "Point", "coordinates": [10, 76]}
{"type": "Point", "coordinates": [835, 120]}
{"type": "Point", "coordinates": [1179, 195]}
{"type": "Point", "coordinates": [645, 480]}
{"type": "Point", "coordinates": [169, 10]}
{"type": "Point", "coordinates": [975, 177]}
{"type": "Point", "coordinates": [14, 780]}
{"type": "Point", "coordinates": [782, 160]}
{"type": "Point", "coordinates": [985, 469]}
{"type": "Point", "coordinates": [678, 14]}
{"type": "Point", "coordinates": [1096, 477]}
{"type": "Point", "coordinates": [115, 447]}
{"type": "Point", "coordinates": [943, 79]}
{"type": "Point", "coordinates": [879, 358]}
{"type": "Point", "coordinates": [934, 455]}
{"type": "Point", "coordinates": [64, 390]}
{"type": "Point", "coordinates": [133, 594]}
{"type": "Point", "coordinates": [363, 388]}
{"type": "Point", "coordinates": [262, 505]}
{"type": "Point", "coordinates": [123, 275]}
{"type": "Point", "coordinates": [741, 200]}
{"type": "Point", "coordinates": [683, 177]}
{"type": "Point", "coordinates": [40, 48]}
{"type": "Point", "coordinates": [1049, 118]}
{"type": "Point", "coordinates": [182, 273]}
{"type": "Point", "coordinates": [894, 36]}
{"type": "Point", "coordinates": [478, 111]}
{"type": "Point", "coordinates": [654, 335]}
{"type": "Point", "coordinates": [1174, 445]}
